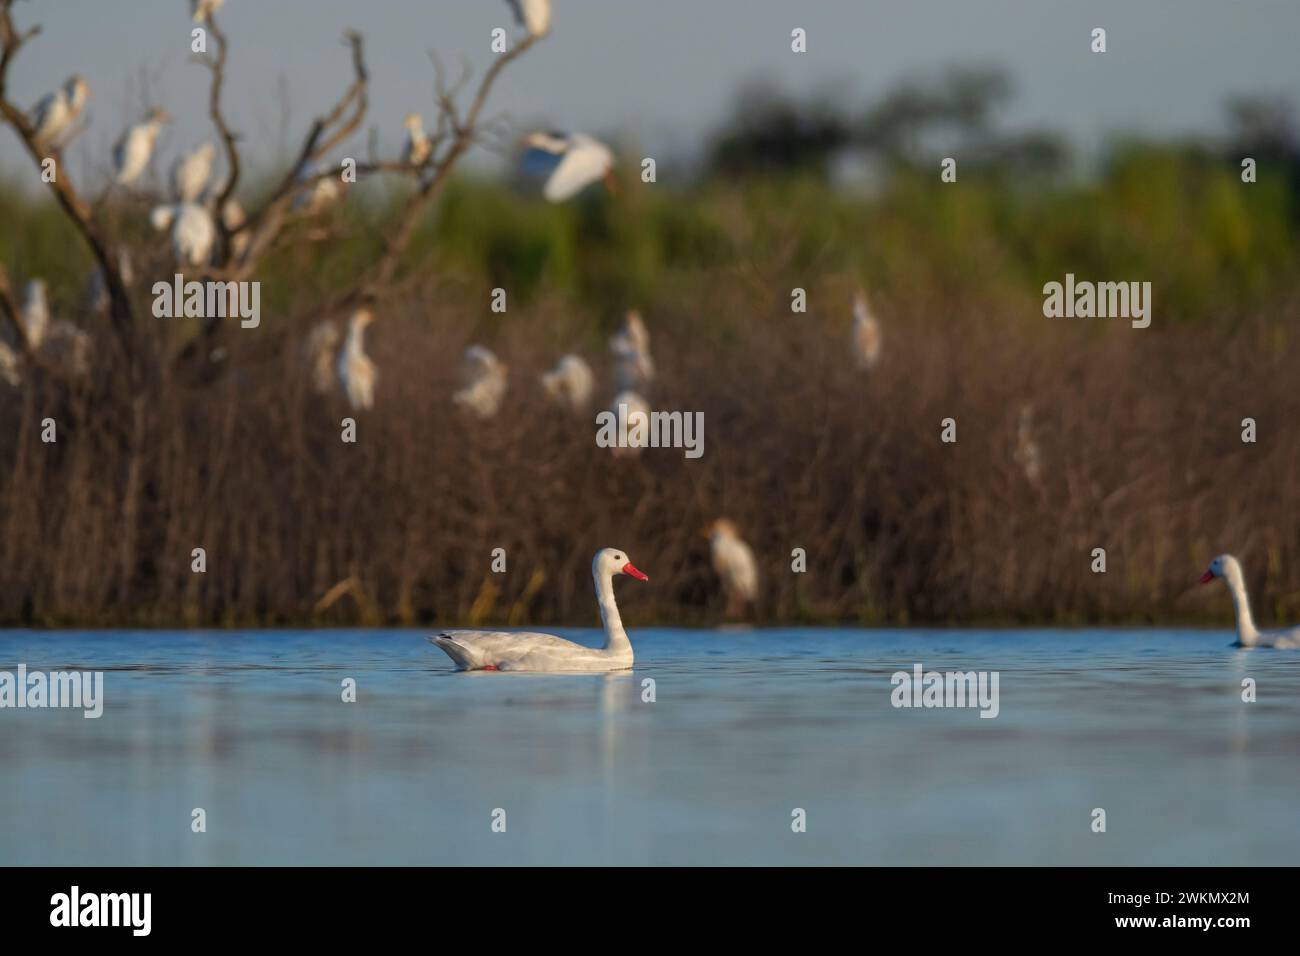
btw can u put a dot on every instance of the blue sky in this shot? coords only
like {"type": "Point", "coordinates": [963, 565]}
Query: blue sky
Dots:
{"type": "Point", "coordinates": [658, 73]}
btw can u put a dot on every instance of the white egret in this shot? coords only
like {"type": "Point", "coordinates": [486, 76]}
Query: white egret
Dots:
{"type": "Point", "coordinates": [321, 343]}
{"type": "Point", "coordinates": [483, 378]}
{"type": "Point", "coordinates": [865, 340]}
{"type": "Point", "coordinates": [204, 9]}
{"type": "Point", "coordinates": [1027, 454]}
{"type": "Point", "coordinates": [632, 417]}
{"type": "Point", "coordinates": [56, 111]}
{"type": "Point", "coordinates": [733, 560]}
{"type": "Point", "coordinates": [35, 315]}
{"type": "Point", "coordinates": [190, 172]}
{"type": "Point", "coordinates": [192, 231]}
{"type": "Point", "coordinates": [321, 194]}
{"type": "Point", "coordinates": [634, 368]}
{"type": "Point", "coordinates": [132, 152]}
{"type": "Point", "coordinates": [416, 149]}
{"type": "Point", "coordinates": [570, 383]}
{"type": "Point", "coordinates": [535, 15]}
{"type": "Point", "coordinates": [356, 370]}
{"type": "Point", "coordinates": [546, 653]}
{"type": "Point", "coordinates": [569, 163]}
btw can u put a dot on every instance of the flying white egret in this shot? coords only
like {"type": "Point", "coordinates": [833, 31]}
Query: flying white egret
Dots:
{"type": "Point", "coordinates": [865, 339]}
{"type": "Point", "coordinates": [1027, 455]}
{"type": "Point", "coordinates": [569, 163]}
{"type": "Point", "coordinates": [190, 172]}
{"type": "Point", "coordinates": [321, 343]}
{"type": "Point", "coordinates": [132, 152]}
{"type": "Point", "coordinates": [733, 560]}
{"type": "Point", "coordinates": [192, 230]}
{"type": "Point", "coordinates": [632, 415]}
{"type": "Point", "coordinates": [416, 148]}
{"type": "Point", "coordinates": [535, 15]}
{"type": "Point", "coordinates": [97, 298]}
{"type": "Point", "coordinates": [203, 9]}
{"type": "Point", "coordinates": [484, 382]}
{"type": "Point", "coordinates": [356, 370]}
{"type": "Point", "coordinates": [56, 111]}
{"type": "Point", "coordinates": [634, 368]}
{"type": "Point", "coordinates": [570, 382]}
{"type": "Point", "coordinates": [36, 313]}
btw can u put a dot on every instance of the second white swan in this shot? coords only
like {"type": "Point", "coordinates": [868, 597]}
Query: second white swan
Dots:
{"type": "Point", "coordinates": [1229, 568]}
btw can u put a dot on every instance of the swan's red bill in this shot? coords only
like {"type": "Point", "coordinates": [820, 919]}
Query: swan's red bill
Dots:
{"type": "Point", "coordinates": [1207, 577]}
{"type": "Point", "coordinates": [636, 573]}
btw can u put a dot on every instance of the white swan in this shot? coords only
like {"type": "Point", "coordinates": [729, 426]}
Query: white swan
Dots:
{"type": "Point", "coordinates": [545, 653]}
{"type": "Point", "coordinates": [1227, 567]}
{"type": "Point", "coordinates": [132, 152]}
{"type": "Point", "coordinates": [570, 163]}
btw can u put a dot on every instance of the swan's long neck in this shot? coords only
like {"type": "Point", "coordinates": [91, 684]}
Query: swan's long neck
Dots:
{"type": "Point", "coordinates": [1246, 632]}
{"type": "Point", "coordinates": [615, 637]}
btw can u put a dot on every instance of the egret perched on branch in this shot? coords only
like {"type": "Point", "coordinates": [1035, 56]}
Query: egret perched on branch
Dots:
{"type": "Point", "coordinates": [865, 339]}
{"type": "Point", "coordinates": [733, 560]}
{"type": "Point", "coordinates": [203, 9]}
{"type": "Point", "coordinates": [321, 194]}
{"type": "Point", "coordinates": [569, 383]}
{"type": "Point", "coordinates": [535, 15]}
{"type": "Point", "coordinates": [132, 152]}
{"type": "Point", "coordinates": [416, 148]}
{"type": "Point", "coordinates": [193, 231]}
{"type": "Point", "coordinates": [36, 313]}
{"type": "Point", "coordinates": [321, 343]}
{"type": "Point", "coordinates": [484, 379]}
{"type": "Point", "coordinates": [190, 172]}
{"type": "Point", "coordinates": [634, 368]}
{"type": "Point", "coordinates": [569, 163]}
{"type": "Point", "coordinates": [56, 111]}
{"type": "Point", "coordinates": [356, 370]}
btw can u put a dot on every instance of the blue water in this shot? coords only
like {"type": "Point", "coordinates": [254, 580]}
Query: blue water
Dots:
{"type": "Point", "coordinates": [746, 726]}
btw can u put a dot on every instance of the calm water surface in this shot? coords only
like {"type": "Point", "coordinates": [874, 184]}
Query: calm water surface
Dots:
{"type": "Point", "coordinates": [747, 725]}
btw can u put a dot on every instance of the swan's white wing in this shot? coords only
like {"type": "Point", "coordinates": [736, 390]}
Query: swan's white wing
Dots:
{"type": "Point", "coordinates": [582, 165]}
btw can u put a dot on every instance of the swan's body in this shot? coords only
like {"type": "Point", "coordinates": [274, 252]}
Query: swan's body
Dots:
{"type": "Point", "coordinates": [193, 231]}
{"type": "Point", "coordinates": [570, 383]}
{"type": "Point", "coordinates": [570, 162]}
{"type": "Point", "coordinates": [133, 150]}
{"type": "Point", "coordinates": [484, 378]}
{"type": "Point", "coordinates": [734, 562]}
{"type": "Point", "coordinates": [866, 339]}
{"type": "Point", "coordinates": [191, 171]}
{"type": "Point", "coordinates": [56, 111]}
{"type": "Point", "coordinates": [534, 15]}
{"type": "Point", "coordinates": [546, 653]}
{"type": "Point", "coordinates": [417, 148]}
{"type": "Point", "coordinates": [356, 370]}
{"type": "Point", "coordinates": [1229, 568]}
